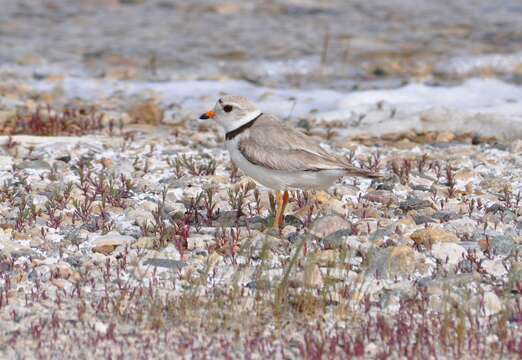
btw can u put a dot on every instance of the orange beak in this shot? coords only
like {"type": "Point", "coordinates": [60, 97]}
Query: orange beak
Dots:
{"type": "Point", "coordinates": [207, 115]}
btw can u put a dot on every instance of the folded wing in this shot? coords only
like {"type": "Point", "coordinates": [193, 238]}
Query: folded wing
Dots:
{"type": "Point", "coordinates": [278, 147]}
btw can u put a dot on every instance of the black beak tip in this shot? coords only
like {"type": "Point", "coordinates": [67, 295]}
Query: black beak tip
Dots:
{"type": "Point", "coordinates": [204, 117]}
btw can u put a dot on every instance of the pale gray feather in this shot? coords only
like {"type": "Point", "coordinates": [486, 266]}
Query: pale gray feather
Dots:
{"type": "Point", "coordinates": [271, 144]}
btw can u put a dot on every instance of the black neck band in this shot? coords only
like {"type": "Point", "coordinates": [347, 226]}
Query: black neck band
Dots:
{"type": "Point", "coordinates": [232, 134]}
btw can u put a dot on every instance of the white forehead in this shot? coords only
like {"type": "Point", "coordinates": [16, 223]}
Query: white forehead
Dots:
{"type": "Point", "coordinates": [237, 100]}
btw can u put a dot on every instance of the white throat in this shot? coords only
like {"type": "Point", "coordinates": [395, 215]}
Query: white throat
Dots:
{"type": "Point", "coordinates": [243, 120]}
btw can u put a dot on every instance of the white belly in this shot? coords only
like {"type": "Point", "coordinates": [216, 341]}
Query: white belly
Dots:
{"type": "Point", "coordinates": [280, 179]}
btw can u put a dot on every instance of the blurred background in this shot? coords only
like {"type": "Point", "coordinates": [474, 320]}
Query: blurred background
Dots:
{"type": "Point", "coordinates": [335, 43]}
{"type": "Point", "coordinates": [183, 54]}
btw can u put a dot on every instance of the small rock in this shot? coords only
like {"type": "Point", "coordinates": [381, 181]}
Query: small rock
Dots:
{"type": "Point", "coordinates": [404, 144]}
{"type": "Point", "coordinates": [139, 216]}
{"type": "Point", "coordinates": [329, 224]}
{"type": "Point", "coordinates": [302, 213]}
{"type": "Point", "coordinates": [295, 237]}
{"type": "Point", "coordinates": [492, 304]}
{"type": "Point", "coordinates": [382, 196]}
{"type": "Point", "coordinates": [448, 253]}
{"type": "Point", "coordinates": [381, 233]}
{"type": "Point", "coordinates": [321, 197]}
{"type": "Point", "coordinates": [106, 244]}
{"type": "Point", "coordinates": [422, 219]}
{"type": "Point", "coordinates": [62, 284]}
{"type": "Point", "coordinates": [199, 241]}
{"type": "Point", "coordinates": [501, 245]}
{"type": "Point", "coordinates": [313, 277]}
{"type": "Point", "coordinates": [263, 243]}
{"type": "Point", "coordinates": [227, 218]}
{"type": "Point", "coordinates": [147, 112]}
{"type": "Point", "coordinates": [227, 8]}
{"type": "Point", "coordinates": [445, 216]}
{"type": "Point", "coordinates": [494, 267]}
{"type": "Point", "coordinates": [113, 239]}
{"type": "Point", "coordinates": [327, 258]}
{"type": "Point", "coordinates": [213, 261]}
{"type": "Point", "coordinates": [12, 248]}
{"type": "Point", "coordinates": [34, 164]}
{"type": "Point", "coordinates": [41, 273]}
{"type": "Point", "coordinates": [445, 137]}
{"type": "Point", "coordinates": [287, 231]}
{"type": "Point", "coordinates": [412, 203]}
{"type": "Point", "coordinates": [64, 158]}
{"type": "Point", "coordinates": [293, 220]}
{"type": "Point", "coordinates": [107, 163]}
{"type": "Point", "coordinates": [100, 327]}
{"type": "Point", "coordinates": [336, 239]}
{"type": "Point", "coordinates": [516, 146]}
{"type": "Point", "coordinates": [395, 261]}
{"type": "Point", "coordinates": [103, 249]}
{"type": "Point", "coordinates": [368, 212]}
{"type": "Point", "coordinates": [464, 227]}
{"type": "Point", "coordinates": [432, 235]}
{"type": "Point", "coordinates": [464, 175]}
{"type": "Point", "coordinates": [6, 163]}
{"type": "Point", "coordinates": [335, 206]}
{"type": "Point", "coordinates": [164, 263]}
{"type": "Point", "coordinates": [420, 188]}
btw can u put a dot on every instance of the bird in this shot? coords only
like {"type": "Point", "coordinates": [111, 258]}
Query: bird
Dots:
{"type": "Point", "coordinates": [275, 155]}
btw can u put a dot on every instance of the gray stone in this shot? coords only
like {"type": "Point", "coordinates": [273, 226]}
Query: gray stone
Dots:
{"type": "Point", "coordinates": [164, 263]}
{"type": "Point", "coordinates": [326, 225]}
{"type": "Point", "coordinates": [72, 234]}
{"type": "Point", "coordinates": [6, 163]}
{"type": "Point", "coordinates": [227, 218]}
{"type": "Point", "coordinates": [423, 219]}
{"type": "Point", "coordinates": [295, 237]}
{"type": "Point", "coordinates": [413, 203]}
{"type": "Point", "coordinates": [494, 267]}
{"type": "Point", "coordinates": [502, 245]}
{"type": "Point", "coordinates": [395, 261]}
{"type": "Point", "coordinates": [293, 220]}
{"type": "Point", "coordinates": [381, 233]}
{"type": "Point", "coordinates": [200, 241]}
{"type": "Point", "coordinates": [464, 227]}
{"type": "Point", "coordinates": [13, 248]}
{"type": "Point", "coordinates": [470, 245]}
{"type": "Point", "coordinates": [387, 185]}
{"type": "Point", "coordinates": [64, 158]}
{"type": "Point", "coordinates": [41, 273]}
{"type": "Point", "coordinates": [492, 304]}
{"type": "Point", "coordinates": [34, 164]}
{"type": "Point", "coordinates": [448, 253]}
{"type": "Point", "coordinates": [336, 239]}
{"type": "Point", "coordinates": [112, 239]}
{"type": "Point", "coordinates": [445, 216]}
{"type": "Point", "coordinates": [421, 188]}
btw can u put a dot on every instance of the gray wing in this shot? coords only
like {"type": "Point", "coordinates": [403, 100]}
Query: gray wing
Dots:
{"type": "Point", "coordinates": [275, 146]}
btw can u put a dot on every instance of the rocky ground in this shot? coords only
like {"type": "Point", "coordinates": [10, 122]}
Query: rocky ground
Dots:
{"type": "Point", "coordinates": [125, 231]}
{"type": "Point", "coordinates": [143, 240]}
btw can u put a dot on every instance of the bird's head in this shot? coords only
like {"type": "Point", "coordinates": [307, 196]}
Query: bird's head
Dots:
{"type": "Point", "coordinates": [232, 111]}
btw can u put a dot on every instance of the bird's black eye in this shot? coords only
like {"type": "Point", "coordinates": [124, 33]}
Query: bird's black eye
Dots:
{"type": "Point", "coordinates": [227, 108]}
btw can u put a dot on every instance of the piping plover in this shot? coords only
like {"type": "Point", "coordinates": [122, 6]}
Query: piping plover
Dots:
{"type": "Point", "coordinates": [275, 155]}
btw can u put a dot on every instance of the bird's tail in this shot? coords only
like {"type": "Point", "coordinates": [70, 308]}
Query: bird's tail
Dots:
{"type": "Point", "coordinates": [355, 171]}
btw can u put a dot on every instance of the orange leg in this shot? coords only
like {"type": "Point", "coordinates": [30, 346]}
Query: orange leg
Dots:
{"type": "Point", "coordinates": [282, 201]}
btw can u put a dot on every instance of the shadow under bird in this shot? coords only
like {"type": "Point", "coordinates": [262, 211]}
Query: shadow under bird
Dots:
{"type": "Point", "coordinates": [275, 155]}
